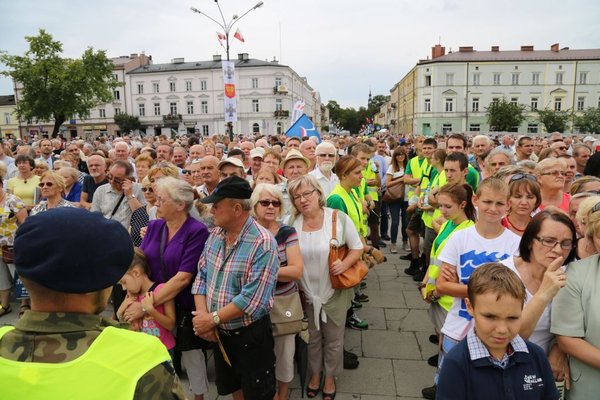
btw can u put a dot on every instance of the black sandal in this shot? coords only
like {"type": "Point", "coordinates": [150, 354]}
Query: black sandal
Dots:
{"type": "Point", "coordinates": [312, 393]}
{"type": "Point", "coordinates": [329, 396]}
{"type": "Point", "coordinates": [4, 310]}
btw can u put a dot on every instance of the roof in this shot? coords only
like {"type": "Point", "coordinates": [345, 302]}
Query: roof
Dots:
{"type": "Point", "coordinates": [517, 55]}
{"type": "Point", "coordinates": [8, 100]}
{"type": "Point", "coordinates": [202, 65]}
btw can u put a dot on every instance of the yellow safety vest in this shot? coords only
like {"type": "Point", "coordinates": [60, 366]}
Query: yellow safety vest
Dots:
{"type": "Point", "coordinates": [354, 207]}
{"type": "Point", "coordinates": [109, 369]}
{"type": "Point", "coordinates": [416, 172]}
{"type": "Point", "coordinates": [434, 269]}
{"type": "Point", "coordinates": [427, 216]}
{"type": "Point", "coordinates": [438, 181]}
{"type": "Point", "coordinates": [368, 173]}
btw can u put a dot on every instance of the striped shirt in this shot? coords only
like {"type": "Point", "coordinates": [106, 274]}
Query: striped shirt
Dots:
{"type": "Point", "coordinates": [244, 274]}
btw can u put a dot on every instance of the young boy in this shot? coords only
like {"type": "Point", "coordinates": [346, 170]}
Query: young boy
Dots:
{"type": "Point", "coordinates": [493, 361]}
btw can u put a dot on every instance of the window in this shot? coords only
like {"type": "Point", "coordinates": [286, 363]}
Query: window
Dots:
{"type": "Point", "coordinates": [188, 86]}
{"type": "Point", "coordinates": [190, 107]}
{"type": "Point", "coordinates": [515, 79]}
{"type": "Point", "coordinates": [115, 77]}
{"type": "Point", "coordinates": [532, 128]}
{"type": "Point", "coordinates": [583, 78]}
{"type": "Point", "coordinates": [277, 82]}
{"type": "Point", "coordinates": [514, 100]}
{"type": "Point", "coordinates": [155, 87]}
{"type": "Point", "coordinates": [534, 103]}
{"type": "Point", "coordinates": [117, 111]}
{"type": "Point", "coordinates": [427, 80]}
{"type": "Point", "coordinates": [278, 105]}
{"type": "Point", "coordinates": [449, 105]}
{"type": "Point", "coordinates": [173, 108]}
{"type": "Point", "coordinates": [205, 130]}
{"type": "Point", "coordinates": [446, 128]}
{"type": "Point", "coordinates": [558, 104]}
{"type": "Point", "coordinates": [449, 79]}
{"type": "Point", "coordinates": [476, 78]}
{"type": "Point", "coordinates": [279, 128]}
{"type": "Point", "coordinates": [172, 86]}
{"type": "Point", "coordinates": [474, 127]}
{"type": "Point", "coordinates": [142, 110]}
{"type": "Point", "coordinates": [475, 104]}
{"type": "Point", "coordinates": [116, 95]}
{"type": "Point", "coordinates": [7, 118]}
{"type": "Point", "coordinates": [140, 88]}
{"type": "Point", "coordinates": [535, 78]}
{"type": "Point", "coordinates": [495, 100]}
{"type": "Point", "coordinates": [254, 83]}
{"type": "Point", "coordinates": [204, 106]}
{"type": "Point", "coordinates": [102, 112]}
{"type": "Point", "coordinates": [559, 78]}
{"type": "Point", "coordinates": [156, 108]}
{"type": "Point", "coordinates": [496, 78]}
{"type": "Point", "coordinates": [255, 105]}
{"type": "Point", "coordinates": [427, 105]}
{"type": "Point", "coordinates": [203, 85]}
{"type": "Point", "coordinates": [255, 128]}
{"type": "Point", "coordinates": [580, 103]}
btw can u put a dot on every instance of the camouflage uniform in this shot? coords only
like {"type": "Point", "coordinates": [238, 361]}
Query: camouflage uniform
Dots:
{"type": "Point", "coordinates": [61, 337]}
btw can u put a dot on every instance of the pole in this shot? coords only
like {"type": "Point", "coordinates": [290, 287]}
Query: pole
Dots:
{"type": "Point", "coordinates": [229, 124]}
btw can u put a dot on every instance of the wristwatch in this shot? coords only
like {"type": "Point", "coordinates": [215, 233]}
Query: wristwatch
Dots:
{"type": "Point", "coordinates": [216, 318]}
{"type": "Point", "coordinates": [131, 196]}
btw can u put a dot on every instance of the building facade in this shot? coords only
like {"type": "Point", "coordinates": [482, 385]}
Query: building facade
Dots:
{"type": "Point", "coordinates": [9, 123]}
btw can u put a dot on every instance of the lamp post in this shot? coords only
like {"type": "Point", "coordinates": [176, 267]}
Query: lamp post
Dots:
{"type": "Point", "coordinates": [226, 26]}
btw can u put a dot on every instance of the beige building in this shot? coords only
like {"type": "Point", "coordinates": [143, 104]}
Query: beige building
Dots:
{"type": "Point", "coordinates": [9, 123]}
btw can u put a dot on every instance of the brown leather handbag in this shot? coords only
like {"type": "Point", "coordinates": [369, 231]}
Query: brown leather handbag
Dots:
{"type": "Point", "coordinates": [353, 275]}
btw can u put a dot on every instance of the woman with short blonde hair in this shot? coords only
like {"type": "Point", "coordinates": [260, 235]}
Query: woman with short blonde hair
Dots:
{"type": "Point", "coordinates": [550, 173]}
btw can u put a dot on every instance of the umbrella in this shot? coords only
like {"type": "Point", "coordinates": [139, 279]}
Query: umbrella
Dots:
{"type": "Point", "coordinates": [301, 355]}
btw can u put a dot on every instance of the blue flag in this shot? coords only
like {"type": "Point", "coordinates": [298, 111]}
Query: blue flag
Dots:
{"type": "Point", "coordinates": [303, 127]}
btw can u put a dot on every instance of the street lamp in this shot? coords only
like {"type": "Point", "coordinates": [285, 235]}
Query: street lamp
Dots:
{"type": "Point", "coordinates": [226, 26]}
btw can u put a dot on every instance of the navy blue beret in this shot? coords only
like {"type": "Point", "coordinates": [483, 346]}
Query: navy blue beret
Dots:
{"type": "Point", "coordinates": [72, 250]}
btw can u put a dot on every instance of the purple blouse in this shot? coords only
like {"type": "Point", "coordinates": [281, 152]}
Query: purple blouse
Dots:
{"type": "Point", "coordinates": [181, 254]}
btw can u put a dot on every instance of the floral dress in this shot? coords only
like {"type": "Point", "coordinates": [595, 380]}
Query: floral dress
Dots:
{"type": "Point", "coordinates": [8, 220]}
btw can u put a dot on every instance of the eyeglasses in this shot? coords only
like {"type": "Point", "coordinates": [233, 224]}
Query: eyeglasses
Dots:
{"type": "Point", "coordinates": [596, 207]}
{"type": "Point", "coordinates": [550, 243]}
{"type": "Point", "coordinates": [186, 172]}
{"type": "Point", "coordinates": [518, 177]}
{"type": "Point", "coordinates": [48, 184]}
{"type": "Point", "coordinates": [147, 189]}
{"type": "Point", "coordinates": [326, 155]}
{"type": "Point", "coordinates": [554, 173]}
{"type": "Point", "coordinates": [118, 181]}
{"type": "Point", "coordinates": [586, 194]}
{"type": "Point", "coordinates": [267, 203]}
{"type": "Point", "coordinates": [304, 195]}
{"type": "Point", "coordinates": [562, 148]}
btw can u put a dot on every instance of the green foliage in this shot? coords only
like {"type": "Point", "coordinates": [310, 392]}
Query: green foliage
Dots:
{"type": "Point", "coordinates": [375, 105]}
{"type": "Point", "coordinates": [554, 121]}
{"type": "Point", "coordinates": [505, 116]}
{"type": "Point", "coordinates": [58, 88]}
{"type": "Point", "coordinates": [589, 122]}
{"type": "Point", "coordinates": [127, 123]}
{"type": "Point", "coordinates": [352, 119]}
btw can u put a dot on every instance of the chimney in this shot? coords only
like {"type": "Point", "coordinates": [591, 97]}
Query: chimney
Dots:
{"type": "Point", "coordinates": [437, 51]}
{"type": "Point", "coordinates": [243, 56]}
{"type": "Point", "coordinates": [496, 48]}
{"type": "Point", "coordinates": [526, 48]}
{"type": "Point", "coordinates": [133, 55]}
{"type": "Point", "coordinates": [465, 49]}
{"type": "Point", "coordinates": [217, 57]}
{"type": "Point", "coordinates": [178, 60]}
{"type": "Point", "coordinates": [554, 48]}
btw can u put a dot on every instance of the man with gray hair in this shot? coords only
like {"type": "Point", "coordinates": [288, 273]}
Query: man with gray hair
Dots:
{"type": "Point", "coordinates": [482, 145]}
{"type": "Point", "coordinates": [325, 154]}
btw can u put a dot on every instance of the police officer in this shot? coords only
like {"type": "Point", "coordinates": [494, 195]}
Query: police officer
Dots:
{"type": "Point", "coordinates": [69, 259]}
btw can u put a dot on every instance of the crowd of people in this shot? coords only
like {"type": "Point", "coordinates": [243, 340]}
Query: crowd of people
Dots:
{"type": "Point", "coordinates": [228, 247]}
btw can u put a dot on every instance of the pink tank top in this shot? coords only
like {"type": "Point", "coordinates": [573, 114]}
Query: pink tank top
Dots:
{"type": "Point", "coordinates": [151, 327]}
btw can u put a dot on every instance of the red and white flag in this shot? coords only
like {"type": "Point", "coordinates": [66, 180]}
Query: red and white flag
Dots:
{"type": "Point", "coordinates": [221, 36]}
{"type": "Point", "coordinates": [238, 36]}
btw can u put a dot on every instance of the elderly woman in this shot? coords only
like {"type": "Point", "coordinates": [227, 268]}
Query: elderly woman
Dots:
{"type": "Point", "coordinates": [52, 186]}
{"type": "Point", "coordinates": [575, 318]}
{"type": "Point", "coordinates": [12, 213]}
{"type": "Point", "coordinates": [585, 243]}
{"type": "Point", "coordinates": [547, 243]}
{"type": "Point", "coordinates": [24, 185]}
{"type": "Point", "coordinates": [525, 198]}
{"type": "Point", "coordinates": [551, 176]}
{"type": "Point", "coordinates": [267, 175]}
{"type": "Point", "coordinates": [325, 307]}
{"type": "Point", "coordinates": [41, 166]}
{"type": "Point", "coordinates": [72, 189]}
{"type": "Point", "coordinates": [140, 217]}
{"type": "Point", "coordinates": [173, 245]}
{"type": "Point", "coordinates": [143, 163]}
{"type": "Point", "coordinates": [266, 202]}
{"type": "Point", "coordinates": [158, 171]}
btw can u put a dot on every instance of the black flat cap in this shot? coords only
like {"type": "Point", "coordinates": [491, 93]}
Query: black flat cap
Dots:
{"type": "Point", "coordinates": [233, 187]}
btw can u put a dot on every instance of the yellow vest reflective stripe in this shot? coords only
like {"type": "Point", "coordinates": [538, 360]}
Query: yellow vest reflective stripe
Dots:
{"type": "Point", "coordinates": [353, 206]}
{"type": "Point", "coordinates": [368, 173]}
{"type": "Point", "coordinates": [438, 181]}
{"type": "Point", "coordinates": [434, 269]}
{"type": "Point", "coordinates": [109, 369]}
{"type": "Point", "coordinates": [416, 172]}
{"type": "Point", "coordinates": [427, 216]}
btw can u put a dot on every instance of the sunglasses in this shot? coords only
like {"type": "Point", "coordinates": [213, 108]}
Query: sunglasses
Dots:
{"type": "Point", "coordinates": [147, 189]}
{"type": "Point", "coordinates": [596, 207]}
{"type": "Point", "coordinates": [186, 172]}
{"type": "Point", "coordinates": [518, 177]}
{"type": "Point", "coordinates": [554, 173]}
{"type": "Point", "coordinates": [45, 184]}
{"type": "Point", "coordinates": [326, 155]}
{"type": "Point", "coordinates": [118, 181]}
{"type": "Point", "coordinates": [267, 203]}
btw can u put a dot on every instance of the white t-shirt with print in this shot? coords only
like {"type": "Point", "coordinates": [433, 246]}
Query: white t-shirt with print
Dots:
{"type": "Point", "coordinates": [467, 249]}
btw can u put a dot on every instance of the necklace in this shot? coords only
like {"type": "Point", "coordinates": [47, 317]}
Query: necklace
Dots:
{"type": "Point", "coordinates": [514, 226]}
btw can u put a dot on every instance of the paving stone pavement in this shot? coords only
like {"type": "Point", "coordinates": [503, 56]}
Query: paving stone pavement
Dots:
{"type": "Point", "coordinates": [393, 352]}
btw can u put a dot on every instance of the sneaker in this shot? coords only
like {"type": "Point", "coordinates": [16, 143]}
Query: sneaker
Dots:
{"type": "Point", "coordinates": [361, 297]}
{"type": "Point", "coordinates": [356, 323]}
{"type": "Point", "coordinates": [350, 360]}
{"type": "Point", "coordinates": [393, 248]}
{"type": "Point", "coordinates": [356, 305]}
{"type": "Point", "coordinates": [429, 392]}
{"type": "Point", "coordinates": [433, 360]}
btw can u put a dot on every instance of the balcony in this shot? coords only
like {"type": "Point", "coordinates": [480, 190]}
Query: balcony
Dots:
{"type": "Point", "coordinates": [281, 113]}
{"type": "Point", "coordinates": [280, 89]}
{"type": "Point", "coordinates": [172, 118]}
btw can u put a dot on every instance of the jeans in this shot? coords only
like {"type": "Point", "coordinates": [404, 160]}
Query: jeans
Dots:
{"type": "Point", "coordinates": [397, 210]}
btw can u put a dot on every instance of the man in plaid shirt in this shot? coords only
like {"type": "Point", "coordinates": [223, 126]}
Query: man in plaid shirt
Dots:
{"type": "Point", "coordinates": [233, 292]}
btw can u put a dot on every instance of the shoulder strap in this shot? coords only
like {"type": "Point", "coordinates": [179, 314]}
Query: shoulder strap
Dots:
{"type": "Point", "coordinates": [163, 240]}
{"type": "Point", "coordinates": [334, 225]}
{"type": "Point", "coordinates": [112, 214]}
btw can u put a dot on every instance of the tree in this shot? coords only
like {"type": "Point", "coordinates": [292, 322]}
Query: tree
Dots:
{"type": "Point", "coordinates": [375, 104]}
{"type": "Point", "coordinates": [127, 123]}
{"type": "Point", "coordinates": [554, 121]}
{"type": "Point", "coordinates": [505, 116]}
{"type": "Point", "coordinates": [589, 122]}
{"type": "Point", "coordinates": [58, 88]}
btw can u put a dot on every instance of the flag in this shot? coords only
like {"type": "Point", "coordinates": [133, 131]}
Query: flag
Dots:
{"type": "Point", "coordinates": [298, 111]}
{"type": "Point", "coordinates": [238, 36]}
{"type": "Point", "coordinates": [220, 37]}
{"type": "Point", "coordinates": [230, 103]}
{"type": "Point", "coordinates": [303, 128]}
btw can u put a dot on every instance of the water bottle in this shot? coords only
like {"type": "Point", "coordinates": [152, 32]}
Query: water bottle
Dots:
{"type": "Point", "coordinates": [426, 196]}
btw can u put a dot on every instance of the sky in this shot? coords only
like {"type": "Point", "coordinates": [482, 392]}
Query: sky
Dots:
{"type": "Point", "coordinates": [343, 47]}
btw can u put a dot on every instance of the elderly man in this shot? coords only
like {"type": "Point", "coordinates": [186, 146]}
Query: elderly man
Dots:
{"type": "Point", "coordinates": [121, 151]}
{"type": "Point", "coordinates": [482, 145]}
{"type": "Point", "coordinates": [559, 147]}
{"type": "Point", "coordinates": [97, 177]}
{"type": "Point", "coordinates": [247, 147]}
{"type": "Point", "coordinates": [256, 159]}
{"type": "Point", "coordinates": [293, 142]}
{"type": "Point", "coordinates": [325, 158]}
{"type": "Point", "coordinates": [295, 165]}
{"type": "Point", "coordinates": [233, 293]}
{"type": "Point", "coordinates": [164, 152]}
{"type": "Point", "coordinates": [119, 198]}
{"type": "Point", "coordinates": [197, 151]}
{"type": "Point", "coordinates": [231, 166]}
{"type": "Point", "coordinates": [179, 156]}
{"type": "Point", "coordinates": [63, 348]}
{"type": "Point", "coordinates": [581, 154]}
{"type": "Point", "coordinates": [307, 148]}
{"type": "Point", "coordinates": [209, 172]}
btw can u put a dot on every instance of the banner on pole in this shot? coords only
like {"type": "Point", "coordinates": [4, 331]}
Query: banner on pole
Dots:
{"type": "Point", "coordinates": [230, 103]}
{"type": "Point", "coordinates": [297, 112]}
